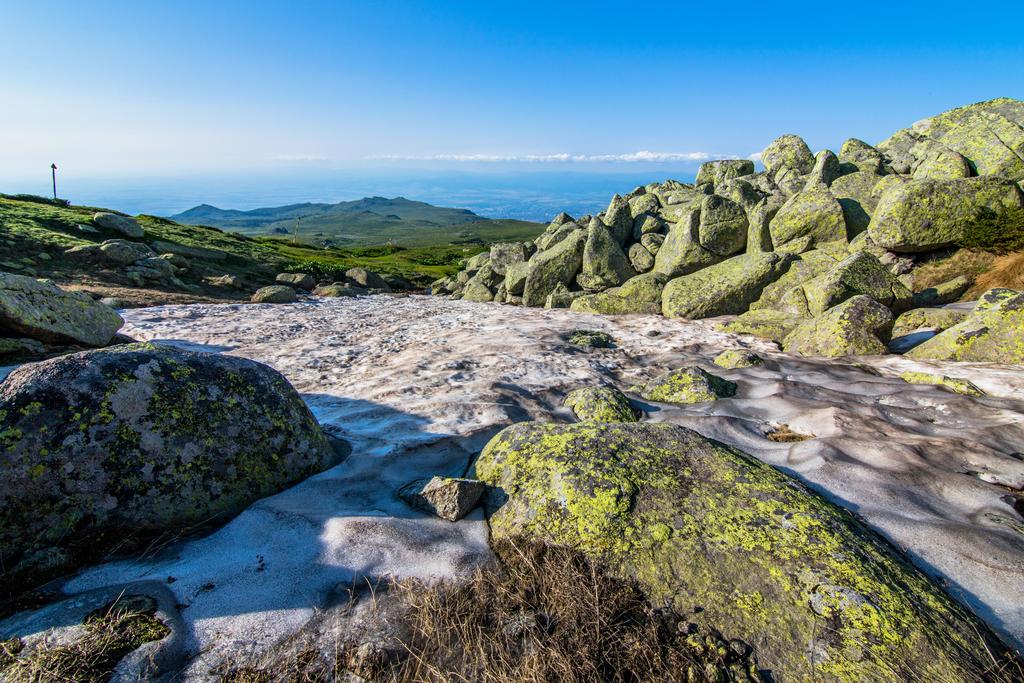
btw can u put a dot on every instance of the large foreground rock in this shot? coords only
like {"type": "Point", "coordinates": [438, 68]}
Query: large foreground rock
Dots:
{"type": "Point", "coordinates": [722, 289]}
{"type": "Point", "coordinates": [48, 313]}
{"type": "Point", "coordinates": [923, 215]}
{"type": "Point", "coordinates": [992, 333]}
{"type": "Point", "coordinates": [736, 545]}
{"type": "Point", "coordinates": [103, 449]}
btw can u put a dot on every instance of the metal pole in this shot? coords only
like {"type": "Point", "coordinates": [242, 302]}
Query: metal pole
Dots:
{"type": "Point", "coordinates": [53, 170]}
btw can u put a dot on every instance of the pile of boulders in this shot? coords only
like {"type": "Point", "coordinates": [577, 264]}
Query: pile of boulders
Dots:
{"type": "Point", "coordinates": [137, 261]}
{"type": "Point", "coordinates": [815, 251]}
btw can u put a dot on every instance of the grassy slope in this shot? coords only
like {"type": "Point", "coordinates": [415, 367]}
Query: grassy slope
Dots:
{"type": "Point", "coordinates": [34, 236]}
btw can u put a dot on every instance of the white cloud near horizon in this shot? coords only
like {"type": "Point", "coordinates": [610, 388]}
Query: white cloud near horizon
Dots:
{"type": "Point", "coordinates": [632, 157]}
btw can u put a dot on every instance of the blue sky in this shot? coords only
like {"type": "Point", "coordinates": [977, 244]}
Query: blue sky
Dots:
{"type": "Point", "coordinates": [175, 88]}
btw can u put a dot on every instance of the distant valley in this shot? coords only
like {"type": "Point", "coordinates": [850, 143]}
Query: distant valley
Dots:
{"type": "Point", "coordinates": [364, 222]}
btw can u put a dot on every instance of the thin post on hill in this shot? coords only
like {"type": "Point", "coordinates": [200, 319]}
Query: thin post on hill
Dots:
{"type": "Point", "coordinates": [53, 172]}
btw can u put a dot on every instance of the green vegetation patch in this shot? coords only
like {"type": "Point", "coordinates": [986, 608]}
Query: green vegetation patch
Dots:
{"type": "Point", "coordinates": [1000, 233]}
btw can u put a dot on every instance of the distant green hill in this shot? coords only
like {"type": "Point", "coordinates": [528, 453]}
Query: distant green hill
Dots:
{"type": "Point", "coordinates": [364, 222]}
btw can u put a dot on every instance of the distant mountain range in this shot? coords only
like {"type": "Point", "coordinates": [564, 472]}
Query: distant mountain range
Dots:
{"type": "Point", "coordinates": [367, 221]}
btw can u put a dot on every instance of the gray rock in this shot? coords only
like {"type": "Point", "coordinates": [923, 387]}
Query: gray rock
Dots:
{"type": "Point", "coordinates": [826, 168]}
{"type": "Point", "coordinates": [447, 497]}
{"type": "Point", "coordinates": [560, 264]}
{"type": "Point", "coordinates": [275, 294]}
{"type": "Point", "coordinates": [50, 314]}
{"type": "Point", "coordinates": [726, 288]}
{"type": "Point", "coordinates": [367, 278]}
{"type": "Point", "coordinates": [787, 153]}
{"type": "Point", "coordinates": [641, 259]}
{"type": "Point", "coordinates": [298, 280]}
{"type": "Point", "coordinates": [505, 254]}
{"type": "Point", "coordinates": [717, 172]}
{"type": "Point", "coordinates": [126, 225]}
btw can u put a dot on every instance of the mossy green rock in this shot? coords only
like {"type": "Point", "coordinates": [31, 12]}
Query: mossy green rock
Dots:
{"type": "Point", "coordinates": [600, 404]}
{"type": "Point", "coordinates": [943, 293]}
{"type": "Point", "coordinates": [955, 384]}
{"type": "Point", "coordinates": [826, 168]}
{"type": "Point", "coordinates": [936, 319]}
{"type": "Point", "coordinates": [808, 218]}
{"type": "Point", "coordinates": [50, 314]}
{"type": "Point", "coordinates": [504, 254]}
{"type": "Point", "coordinates": [723, 226]}
{"type": "Point", "coordinates": [737, 358]}
{"type": "Point", "coordinates": [857, 327]}
{"type": "Point", "coordinates": [923, 215]}
{"type": "Point", "coordinates": [935, 160]}
{"type": "Point", "coordinates": [686, 385]}
{"type": "Point", "coordinates": [787, 293]}
{"type": "Point", "coordinates": [641, 294]}
{"type": "Point", "coordinates": [681, 252]}
{"type": "Point", "coordinates": [717, 172]}
{"type": "Point", "coordinates": [561, 297]}
{"type": "Point", "coordinates": [641, 259]}
{"type": "Point", "coordinates": [619, 219]}
{"type": "Point", "coordinates": [604, 263]}
{"type": "Point", "coordinates": [726, 288]}
{"type": "Point", "coordinates": [275, 294]}
{"type": "Point", "coordinates": [992, 333]}
{"type": "Point", "coordinates": [855, 194]}
{"type": "Point", "coordinates": [559, 264]}
{"type": "Point", "coordinates": [764, 323]}
{"type": "Point", "coordinates": [477, 291]}
{"type": "Point", "coordinates": [735, 544]}
{"type": "Point", "coordinates": [592, 338]}
{"type": "Point", "coordinates": [339, 289]}
{"type": "Point", "coordinates": [859, 273]}
{"type": "Point", "coordinates": [103, 448]}
{"type": "Point", "coordinates": [515, 277]}
{"type": "Point", "coordinates": [787, 153]}
{"type": "Point", "coordinates": [858, 156]}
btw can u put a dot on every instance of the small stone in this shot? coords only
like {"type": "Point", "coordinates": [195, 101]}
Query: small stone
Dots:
{"type": "Point", "coordinates": [686, 385]}
{"type": "Point", "coordinates": [591, 338]}
{"type": "Point", "coordinates": [600, 404]}
{"type": "Point", "coordinates": [275, 294]}
{"type": "Point", "coordinates": [447, 497]}
{"type": "Point", "coordinates": [738, 358]}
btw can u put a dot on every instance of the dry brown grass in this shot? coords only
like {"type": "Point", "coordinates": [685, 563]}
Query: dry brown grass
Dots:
{"type": "Point", "coordinates": [110, 634]}
{"type": "Point", "coordinates": [783, 434]}
{"type": "Point", "coordinates": [546, 615]}
{"type": "Point", "coordinates": [1005, 271]}
{"type": "Point", "coordinates": [945, 267]}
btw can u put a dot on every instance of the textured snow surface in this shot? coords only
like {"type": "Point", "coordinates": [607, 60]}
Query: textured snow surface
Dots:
{"type": "Point", "coordinates": [418, 385]}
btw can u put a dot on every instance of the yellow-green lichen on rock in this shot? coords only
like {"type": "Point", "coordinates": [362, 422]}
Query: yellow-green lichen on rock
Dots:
{"type": "Point", "coordinates": [859, 326]}
{"type": "Point", "coordinates": [735, 544]}
{"type": "Point", "coordinates": [686, 385]}
{"type": "Point", "coordinates": [810, 217]}
{"type": "Point", "coordinates": [764, 323]}
{"type": "Point", "coordinates": [725, 288]}
{"type": "Point", "coordinates": [737, 358]}
{"type": "Point", "coordinates": [859, 273]}
{"type": "Point", "coordinates": [956, 384]}
{"type": "Point", "coordinates": [600, 404]}
{"type": "Point", "coordinates": [992, 333]}
{"type": "Point", "coordinates": [934, 319]}
{"type": "Point", "coordinates": [640, 294]}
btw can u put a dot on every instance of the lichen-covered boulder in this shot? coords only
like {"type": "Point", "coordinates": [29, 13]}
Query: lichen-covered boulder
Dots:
{"type": "Point", "coordinates": [859, 273]}
{"type": "Point", "coordinates": [561, 297]}
{"type": "Point", "coordinates": [648, 224]}
{"type": "Point", "coordinates": [826, 168]}
{"type": "Point", "coordinates": [505, 254]}
{"type": "Point", "coordinates": [759, 218]}
{"type": "Point", "coordinates": [735, 544]}
{"type": "Point", "coordinates": [641, 294]}
{"type": "Point", "coordinates": [808, 218]}
{"type": "Point", "coordinates": [559, 264]}
{"type": "Point", "coordinates": [298, 280]}
{"type": "Point", "coordinates": [956, 384]}
{"type": "Point", "coordinates": [641, 259]}
{"type": "Point", "coordinates": [595, 339]}
{"type": "Point", "coordinates": [515, 277]}
{"type": "Point", "coordinates": [275, 294]}
{"type": "Point", "coordinates": [477, 290]}
{"type": "Point", "coordinates": [859, 326]}
{"type": "Point", "coordinates": [717, 172]}
{"type": "Point", "coordinates": [858, 156]}
{"type": "Point", "coordinates": [652, 242]}
{"type": "Point", "coordinates": [943, 293]}
{"type": "Point", "coordinates": [686, 385]}
{"type": "Point", "coordinates": [449, 498]}
{"type": "Point", "coordinates": [933, 319]}
{"type": "Point", "coordinates": [989, 134]}
{"type": "Point", "coordinates": [46, 312]}
{"type": "Point", "coordinates": [726, 288]}
{"type": "Point", "coordinates": [338, 289]}
{"type": "Point", "coordinates": [619, 219]}
{"type": "Point", "coordinates": [126, 225]}
{"type": "Point", "coordinates": [764, 323]}
{"type": "Point", "coordinates": [737, 358]}
{"type": "Point", "coordinates": [855, 194]}
{"type": "Point", "coordinates": [600, 404]}
{"type": "Point", "coordinates": [604, 263]}
{"type": "Point", "coordinates": [787, 153]}
{"type": "Point", "coordinates": [681, 252]}
{"type": "Point", "coordinates": [369, 279]}
{"type": "Point", "coordinates": [923, 215]}
{"type": "Point", "coordinates": [723, 226]}
{"type": "Point", "coordinates": [643, 204]}
{"type": "Point", "coordinates": [786, 293]}
{"type": "Point", "coordinates": [935, 160]}
{"type": "Point", "coordinates": [992, 333]}
{"type": "Point", "coordinates": [103, 449]}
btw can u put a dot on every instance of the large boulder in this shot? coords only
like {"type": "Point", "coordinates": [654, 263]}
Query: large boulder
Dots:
{"type": "Point", "coordinates": [992, 333]}
{"type": "Point", "coordinates": [736, 545]}
{"type": "Point", "coordinates": [717, 172]}
{"type": "Point", "coordinates": [619, 219]}
{"type": "Point", "coordinates": [275, 294]}
{"type": "Point", "coordinates": [298, 280]}
{"type": "Point", "coordinates": [362, 277]}
{"type": "Point", "coordinates": [559, 264]}
{"type": "Point", "coordinates": [858, 156]}
{"type": "Point", "coordinates": [600, 404]}
{"type": "Point", "coordinates": [681, 252]}
{"type": "Point", "coordinates": [923, 215]}
{"type": "Point", "coordinates": [126, 225]}
{"type": "Point", "coordinates": [826, 168]}
{"type": "Point", "coordinates": [640, 258]}
{"type": "Point", "coordinates": [723, 226]}
{"type": "Point", "coordinates": [787, 153]}
{"type": "Point", "coordinates": [943, 293]}
{"type": "Point", "coordinates": [786, 294]}
{"type": "Point", "coordinates": [855, 194]}
{"type": "Point", "coordinates": [930, 319]}
{"type": "Point", "coordinates": [859, 326]}
{"type": "Point", "coordinates": [990, 135]}
{"type": "Point", "coordinates": [764, 323]}
{"type": "Point", "coordinates": [106, 449]}
{"type": "Point", "coordinates": [808, 218]}
{"type": "Point", "coordinates": [505, 254]}
{"type": "Point", "coordinates": [515, 277]}
{"type": "Point", "coordinates": [46, 312]}
{"type": "Point", "coordinates": [641, 294]}
{"type": "Point", "coordinates": [859, 273]}
{"type": "Point", "coordinates": [726, 288]}
{"type": "Point", "coordinates": [604, 263]}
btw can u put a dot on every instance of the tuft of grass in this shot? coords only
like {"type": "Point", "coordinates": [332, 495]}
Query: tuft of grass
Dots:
{"type": "Point", "coordinates": [546, 613]}
{"type": "Point", "coordinates": [945, 266]}
{"type": "Point", "coordinates": [110, 634]}
{"type": "Point", "coordinates": [995, 233]}
{"type": "Point", "coordinates": [1006, 271]}
{"type": "Point", "coordinates": [783, 434]}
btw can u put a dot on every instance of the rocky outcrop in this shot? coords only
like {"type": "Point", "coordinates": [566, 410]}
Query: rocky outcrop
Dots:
{"type": "Point", "coordinates": [107, 448]}
{"type": "Point", "coordinates": [859, 326]}
{"type": "Point", "coordinates": [50, 314]}
{"type": "Point", "coordinates": [727, 287]}
{"type": "Point", "coordinates": [767, 561]}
